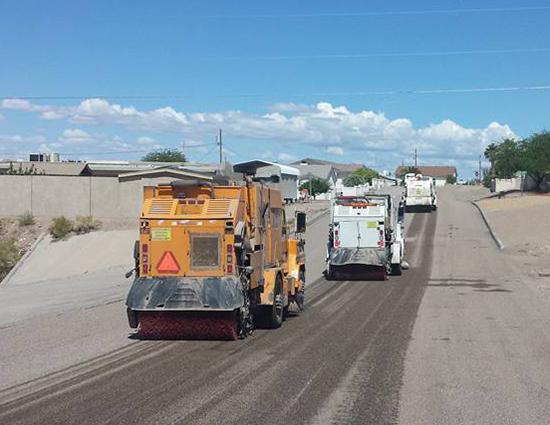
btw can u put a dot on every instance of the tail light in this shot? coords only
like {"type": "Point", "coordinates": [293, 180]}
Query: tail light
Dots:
{"type": "Point", "coordinates": [381, 241]}
{"type": "Point", "coordinates": [145, 258]}
{"type": "Point", "coordinates": [336, 238]}
{"type": "Point", "coordinates": [229, 260]}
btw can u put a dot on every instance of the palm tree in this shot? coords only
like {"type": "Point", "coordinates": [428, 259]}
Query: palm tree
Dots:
{"type": "Point", "coordinates": [490, 154]}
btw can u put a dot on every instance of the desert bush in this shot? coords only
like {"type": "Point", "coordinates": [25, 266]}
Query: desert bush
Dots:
{"type": "Point", "coordinates": [26, 219]}
{"type": "Point", "coordinates": [60, 227]}
{"type": "Point", "coordinates": [86, 224]}
{"type": "Point", "coordinates": [9, 256]}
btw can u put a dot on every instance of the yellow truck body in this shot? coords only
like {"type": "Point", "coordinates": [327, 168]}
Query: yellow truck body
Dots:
{"type": "Point", "coordinates": [214, 249]}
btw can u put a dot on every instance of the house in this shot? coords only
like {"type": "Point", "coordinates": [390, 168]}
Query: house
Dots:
{"type": "Point", "coordinates": [287, 176]}
{"type": "Point", "coordinates": [323, 172]}
{"type": "Point", "coordinates": [341, 170]}
{"type": "Point", "coordinates": [439, 173]}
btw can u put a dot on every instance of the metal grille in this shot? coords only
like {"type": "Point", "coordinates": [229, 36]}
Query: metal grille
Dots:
{"type": "Point", "coordinates": [205, 251]}
{"type": "Point", "coordinates": [161, 206]}
{"type": "Point", "coordinates": [218, 206]}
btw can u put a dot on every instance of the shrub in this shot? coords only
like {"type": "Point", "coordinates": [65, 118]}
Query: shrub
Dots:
{"type": "Point", "coordinates": [9, 256]}
{"type": "Point", "coordinates": [26, 219]}
{"type": "Point", "coordinates": [60, 227]}
{"type": "Point", "coordinates": [86, 225]}
{"type": "Point", "coordinates": [450, 179]}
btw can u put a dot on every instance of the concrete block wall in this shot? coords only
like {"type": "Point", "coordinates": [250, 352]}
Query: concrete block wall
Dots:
{"type": "Point", "coordinates": [71, 196]}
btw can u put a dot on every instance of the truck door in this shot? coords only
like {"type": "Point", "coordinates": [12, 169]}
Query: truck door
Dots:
{"type": "Point", "coordinates": [369, 233]}
{"type": "Point", "coordinates": [349, 234]}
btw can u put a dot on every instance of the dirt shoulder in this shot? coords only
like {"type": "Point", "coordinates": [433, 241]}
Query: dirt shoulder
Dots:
{"type": "Point", "coordinates": [16, 240]}
{"type": "Point", "coordinates": [522, 223]}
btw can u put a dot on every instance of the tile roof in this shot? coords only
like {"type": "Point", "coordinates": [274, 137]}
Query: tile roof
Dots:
{"type": "Point", "coordinates": [430, 170]}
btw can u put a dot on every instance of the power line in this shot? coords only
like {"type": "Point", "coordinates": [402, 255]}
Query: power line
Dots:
{"type": "Point", "coordinates": [207, 153]}
{"type": "Point", "coordinates": [110, 152]}
{"type": "Point", "coordinates": [388, 54]}
{"type": "Point", "coordinates": [543, 87]}
{"type": "Point", "coordinates": [374, 14]}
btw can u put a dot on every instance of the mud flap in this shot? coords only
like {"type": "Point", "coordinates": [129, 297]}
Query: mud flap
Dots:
{"type": "Point", "coordinates": [185, 294]}
{"type": "Point", "coordinates": [358, 264]}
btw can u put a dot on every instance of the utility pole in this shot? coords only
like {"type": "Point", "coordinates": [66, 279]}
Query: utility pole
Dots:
{"type": "Point", "coordinates": [415, 158]}
{"type": "Point", "coordinates": [221, 146]}
{"type": "Point", "coordinates": [479, 170]}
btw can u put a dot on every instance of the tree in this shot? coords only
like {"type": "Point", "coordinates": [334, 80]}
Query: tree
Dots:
{"type": "Point", "coordinates": [450, 179]}
{"type": "Point", "coordinates": [490, 154]}
{"type": "Point", "coordinates": [509, 158]}
{"type": "Point", "coordinates": [536, 156]}
{"type": "Point", "coordinates": [408, 170]}
{"type": "Point", "coordinates": [315, 186]}
{"type": "Point", "coordinates": [360, 176]}
{"type": "Point", "coordinates": [165, 155]}
{"type": "Point", "coordinates": [354, 180]}
{"type": "Point", "coordinates": [27, 171]}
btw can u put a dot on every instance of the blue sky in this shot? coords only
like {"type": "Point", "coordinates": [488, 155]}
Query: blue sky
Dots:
{"type": "Point", "coordinates": [351, 81]}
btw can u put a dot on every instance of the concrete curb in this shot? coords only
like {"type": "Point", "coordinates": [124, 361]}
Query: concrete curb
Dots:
{"type": "Point", "coordinates": [22, 260]}
{"type": "Point", "coordinates": [498, 242]}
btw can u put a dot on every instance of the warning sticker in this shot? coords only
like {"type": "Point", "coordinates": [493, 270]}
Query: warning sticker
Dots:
{"type": "Point", "coordinates": [372, 224]}
{"type": "Point", "coordinates": [161, 234]}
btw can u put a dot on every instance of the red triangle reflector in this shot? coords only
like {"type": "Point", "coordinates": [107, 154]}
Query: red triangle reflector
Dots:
{"type": "Point", "coordinates": [168, 263]}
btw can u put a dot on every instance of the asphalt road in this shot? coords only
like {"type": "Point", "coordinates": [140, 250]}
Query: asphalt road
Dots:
{"type": "Point", "coordinates": [480, 349]}
{"type": "Point", "coordinates": [460, 338]}
{"type": "Point", "coordinates": [340, 361]}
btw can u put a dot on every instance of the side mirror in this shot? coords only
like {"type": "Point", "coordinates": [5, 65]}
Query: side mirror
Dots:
{"type": "Point", "coordinates": [300, 222]}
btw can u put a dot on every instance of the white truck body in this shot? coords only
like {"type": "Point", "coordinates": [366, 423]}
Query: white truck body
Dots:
{"type": "Point", "coordinates": [359, 227]}
{"type": "Point", "coordinates": [367, 233]}
{"type": "Point", "coordinates": [420, 192]}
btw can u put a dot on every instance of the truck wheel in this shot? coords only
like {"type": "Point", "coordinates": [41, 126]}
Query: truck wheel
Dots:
{"type": "Point", "coordinates": [278, 310]}
{"type": "Point", "coordinates": [396, 269]}
{"type": "Point", "coordinates": [299, 298]}
{"type": "Point", "coordinates": [329, 274]}
{"type": "Point", "coordinates": [271, 316]}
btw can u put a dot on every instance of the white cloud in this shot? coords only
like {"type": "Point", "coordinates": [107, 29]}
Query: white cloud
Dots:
{"type": "Point", "coordinates": [145, 141]}
{"type": "Point", "coordinates": [333, 128]}
{"type": "Point", "coordinates": [286, 157]}
{"type": "Point", "coordinates": [335, 150]}
{"type": "Point", "coordinates": [18, 104]}
{"type": "Point", "coordinates": [75, 135]}
{"type": "Point", "coordinates": [19, 139]}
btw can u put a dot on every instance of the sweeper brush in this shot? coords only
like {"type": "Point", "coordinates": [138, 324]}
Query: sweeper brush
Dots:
{"type": "Point", "coordinates": [359, 272]}
{"type": "Point", "coordinates": [188, 325]}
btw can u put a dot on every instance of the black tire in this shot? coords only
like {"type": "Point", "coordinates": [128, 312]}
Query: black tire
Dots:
{"type": "Point", "coordinates": [396, 269]}
{"type": "Point", "coordinates": [300, 298]}
{"type": "Point", "coordinates": [278, 310]}
{"type": "Point", "coordinates": [272, 316]}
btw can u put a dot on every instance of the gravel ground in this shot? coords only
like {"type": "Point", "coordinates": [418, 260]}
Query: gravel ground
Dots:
{"type": "Point", "coordinates": [522, 223]}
